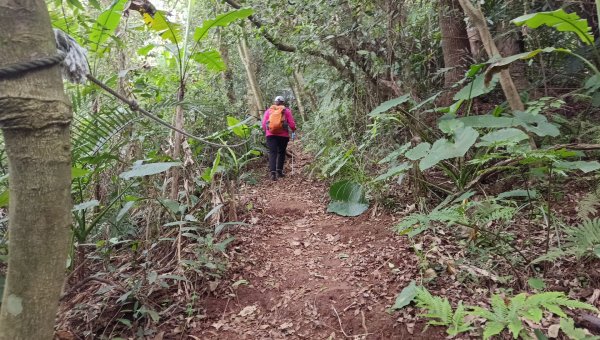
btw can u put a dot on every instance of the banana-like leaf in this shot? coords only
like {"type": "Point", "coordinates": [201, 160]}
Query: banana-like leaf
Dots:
{"type": "Point", "coordinates": [347, 199]}
{"type": "Point", "coordinates": [211, 59]}
{"type": "Point", "coordinates": [561, 21]}
{"type": "Point", "coordinates": [105, 26]}
{"type": "Point", "coordinates": [148, 169]}
{"type": "Point", "coordinates": [222, 20]}
{"type": "Point", "coordinates": [167, 30]}
{"type": "Point", "coordinates": [503, 63]}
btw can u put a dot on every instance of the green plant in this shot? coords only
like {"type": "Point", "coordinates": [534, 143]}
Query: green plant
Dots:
{"type": "Point", "coordinates": [580, 241]}
{"type": "Point", "coordinates": [504, 313]}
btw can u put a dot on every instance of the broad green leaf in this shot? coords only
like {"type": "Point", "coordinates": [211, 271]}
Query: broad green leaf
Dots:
{"type": "Point", "coordinates": [561, 21]}
{"type": "Point", "coordinates": [393, 171]}
{"type": "Point", "coordinates": [450, 125]}
{"type": "Point", "coordinates": [75, 3]}
{"type": "Point", "coordinates": [418, 151]}
{"type": "Point", "coordinates": [502, 63]}
{"type": "Point", "coordinates": [239, 129]}
{"type": "Point", "coordinates": [536, 283]}
{"type": "Point", "coordinates": [476, 88]}
{"type": "Point", "coordinates": [145, 50]}
{"type": "Point", "coordinates": [503, 137]}
{"type": "Point", "coordinates": [4, 199]}
{"type": "Point", "coordinates": [385, 106]}
{"type": "Point", "coordinates": [209, 173]}
{"type": "Point", "coordinates": [222, 20]}
{"type": "Point", "coordinates": [175, 208]}
{"type": "Point", "coordinates": [535, 123]}
{"type": "Point", "coordinates": [148, 169]}
{"type": "Point", "coordinates": [105, 25]}
{"type": "Point", "coordinates": [487, 121]}
{"type": "Point", "coordinates": [585, 166]}
{"type": "Point", "coordinates": [86, 205]}
{"type": "Point", "coordinates": [443, 149]}
{"type": "Point", "coordinates": [167, 30]}
{"type": "Point", "coordinates": [405, 297]}
{"type": "Point", "coordinates": [126, 207]}
{"type": "Point", "coordinates": [347, 199]}
{"type": "Point", "coordinates": [211, 59]}
{"type": "Point", "coordinates": [77, 172]}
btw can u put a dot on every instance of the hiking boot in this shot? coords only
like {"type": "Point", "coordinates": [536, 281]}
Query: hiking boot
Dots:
{"type": "Point", "coordinates": [273, 176]}
{"type": "Point", "coordinates": [280, 174]}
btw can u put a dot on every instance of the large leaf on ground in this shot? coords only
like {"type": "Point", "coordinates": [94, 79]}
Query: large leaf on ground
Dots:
{"type": "Point", "coordinates": [406, 296]}
{"type": "Point", "coordinates": [211, 59]}
{"type": "Point", "coordinates": [148, 169]}
{"type": "Point", "coordinates": [221, 20]}
{"type": "Point", "coordinates": [105, 25]}
{"type": "Point", "coordinates": [560, 20]}
{"type": "Point", "coordinates": [168, 30]}
{"type": "Point", "coordinates": [347, 199]}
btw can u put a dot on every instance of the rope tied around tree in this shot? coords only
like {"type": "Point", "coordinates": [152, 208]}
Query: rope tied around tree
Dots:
{"type": "Point", "coordinates": [16, 69]}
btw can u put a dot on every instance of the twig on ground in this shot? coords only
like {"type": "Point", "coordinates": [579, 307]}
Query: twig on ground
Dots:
{"type": "Point", "coordinates": [342, 327]}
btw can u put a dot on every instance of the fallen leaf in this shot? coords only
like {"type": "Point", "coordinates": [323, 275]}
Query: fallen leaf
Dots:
{"type": "Point", "coordinates": [553, 331]}
{"type": "Point", "coordinates": [286, 325]}
{"type": "Point", "coordinates": [247, 310]}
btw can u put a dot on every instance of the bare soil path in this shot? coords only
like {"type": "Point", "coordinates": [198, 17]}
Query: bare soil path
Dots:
{"type": "Point", "coordinates": [301, 273]}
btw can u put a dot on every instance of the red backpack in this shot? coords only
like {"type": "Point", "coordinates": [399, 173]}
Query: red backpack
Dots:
{"type": "Point", "coordinates": [276, 120]}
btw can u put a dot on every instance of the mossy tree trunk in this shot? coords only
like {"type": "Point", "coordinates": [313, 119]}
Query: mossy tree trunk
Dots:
{"type": "Point", "coordinates": [34, 117]}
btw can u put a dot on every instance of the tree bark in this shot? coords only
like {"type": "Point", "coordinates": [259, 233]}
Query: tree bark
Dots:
{"type": "Point", "coordinates": [34, 117]}
{"type": "Point", "coordinates": [455, 45]}
{"type": "Point", "coordinates": [251, 76]}
{"type": "Point", "coordinates": [478, 20]}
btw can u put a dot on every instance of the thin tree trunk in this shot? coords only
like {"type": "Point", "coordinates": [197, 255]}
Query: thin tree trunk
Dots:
{"type": "Point", "coordinates": [302, 88]}
{"type": "Point", "coordinates": [455, 45]}
{"type": "Point", "coordinates": [298, 95]}
{"type": "Point", "coordinates": [228, 74]}
{"type": "Point", "coordinates": [509, 44]}
{"type": "Point", "coordinates": [251, 74]}
{"type": "Point", "coordinates": [35, 117]}
{"type": "Point", "coordinates": [478, 20]}
{"type": "Point", "coordinates": [177, 140]}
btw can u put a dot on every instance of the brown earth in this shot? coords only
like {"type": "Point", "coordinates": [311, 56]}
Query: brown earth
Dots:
{"type": "Point", "coordinates": [310, 274]}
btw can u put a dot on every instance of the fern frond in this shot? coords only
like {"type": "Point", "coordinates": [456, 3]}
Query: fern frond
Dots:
{"type": "Point", "coordinates": [588, 205]}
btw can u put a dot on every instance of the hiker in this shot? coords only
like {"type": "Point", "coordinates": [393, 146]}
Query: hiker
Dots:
{"type": "Point", "coordinates": [277, 122]}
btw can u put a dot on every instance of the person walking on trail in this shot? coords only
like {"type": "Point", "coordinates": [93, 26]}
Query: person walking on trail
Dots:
{"type": "Point", "coordinates": [277, 122]}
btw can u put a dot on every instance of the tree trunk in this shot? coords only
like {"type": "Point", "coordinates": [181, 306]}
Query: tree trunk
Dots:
{"type": "Point", "coordinates": [478, 20]}
{"type": "Point", "coordinates": [455, 45]}
{"type": "Point", "coordinates": [251, 74]}
{"type": "Point", "coordinates": [475, 43]}
{"type": "Point", "coordinates": [34, 117]}
{"type": "Point", "coordinates": [302, 88]}
{"type": "Point", "coordinates": [177, 140]}
{"type": "Point", "coordinates": [510, 44]}
{"type": "Point", "coordinates": [299, 96]}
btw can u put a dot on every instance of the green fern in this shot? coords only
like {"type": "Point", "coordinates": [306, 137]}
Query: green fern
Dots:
{"type": "Point", "coordinates": [580, 241]}
{"type": "Point", "coordinates": [588, 206]}
{"type": "Point", "coordinates": [441, 312]}
{"type": "Point", "coordinates": [508, 316]}
{"type": "Point", "coordinates": [501, 315]}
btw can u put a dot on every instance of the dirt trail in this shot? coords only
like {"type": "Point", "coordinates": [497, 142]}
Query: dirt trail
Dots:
{"type": "Point", "coordinates": [310, 275]}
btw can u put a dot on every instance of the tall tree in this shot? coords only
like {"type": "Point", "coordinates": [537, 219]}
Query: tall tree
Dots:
{"type": "Point", "coordinates": [455, 43]}
{"type": "Point", "coordinates": [34, 117]}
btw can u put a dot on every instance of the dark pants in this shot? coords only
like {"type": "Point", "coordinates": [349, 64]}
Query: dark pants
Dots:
{"type": "Point", "coordinates": [277, 146]}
